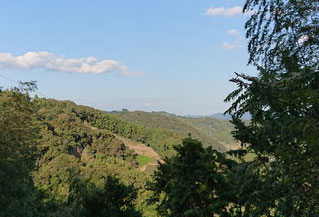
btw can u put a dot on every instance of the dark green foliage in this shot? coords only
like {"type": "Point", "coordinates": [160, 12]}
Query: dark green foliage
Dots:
{"type": "Point", "coordinates": [192, 183]}
{"type": "Point", "coordinates": [283, 134]}
{"type": "Point", "coordinates": [113, 199]}
{"type": "Point", "coordinates": [283, 102]}
{"type": "Point", "coordinates": [18, 133]}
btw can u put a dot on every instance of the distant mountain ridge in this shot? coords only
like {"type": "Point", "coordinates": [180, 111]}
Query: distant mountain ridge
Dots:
{"type": "Point", "coordinates": [219, 116]}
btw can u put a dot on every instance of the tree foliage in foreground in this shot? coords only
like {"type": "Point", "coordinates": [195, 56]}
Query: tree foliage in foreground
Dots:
{"type": "Point", "coordinates": [281, 31]}
{"type": "Point", "coordinates": [18, 133]}
{"type": "Point", "coordinates": [192, 183]}
{"type": "Point", "coordinates": [113, 199]}
{"type": "Point", "coordinates": [283, 102]}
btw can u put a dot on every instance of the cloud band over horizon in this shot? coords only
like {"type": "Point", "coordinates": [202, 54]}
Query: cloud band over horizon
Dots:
{"type": "Point", "coordinates": [49, 61]}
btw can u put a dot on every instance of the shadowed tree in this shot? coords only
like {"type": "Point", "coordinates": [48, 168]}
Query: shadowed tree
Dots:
{"type": "Point", "coordinates": [112, 199]}
{"type": "Point", "coordinates": [192, 183]}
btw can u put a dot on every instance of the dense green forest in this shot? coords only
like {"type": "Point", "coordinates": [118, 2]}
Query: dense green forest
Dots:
{"type": "Point", "coordinates": [62, 159]}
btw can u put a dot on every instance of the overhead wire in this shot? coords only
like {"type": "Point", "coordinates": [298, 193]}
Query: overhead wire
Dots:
{"type": "Point", "coordinates": [37, 92]}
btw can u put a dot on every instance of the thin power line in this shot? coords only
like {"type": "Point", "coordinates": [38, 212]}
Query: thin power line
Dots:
{"type": "Point", "coordinates": [18, 84]}
{"type": "Point", "coordinates": [9, 79]}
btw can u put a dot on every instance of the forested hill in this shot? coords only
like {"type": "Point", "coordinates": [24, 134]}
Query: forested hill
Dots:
{"type": "Point", "coordinates": [160, 139]}
{"type": "Point", "coordinates": [211, 131]}
{"type": "Point", "coordinates": [218, 130]}
{"type": "Point", "coordinates": [79, 152]}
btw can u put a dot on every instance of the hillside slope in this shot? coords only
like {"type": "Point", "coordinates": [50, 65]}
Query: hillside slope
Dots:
{"type": "Point", "coordinates": [211, 131]}
{"type": "Point", "coordinates": [85, 144]}
{"type": "Point", "coordinates": [146, 157]}
{"type": "Point", "coordinates": [217, 129]}
{"type": "Point", "coordinates": [78, 148]}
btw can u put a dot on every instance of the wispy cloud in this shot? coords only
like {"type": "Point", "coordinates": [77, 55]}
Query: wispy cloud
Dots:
{"type": "Point", "coordinates": [49, 61]}
{"type": "Point", "coordinates": [229, 46]}
{"type": "Point", "coordinates": [234, 32]}
{"type": "Point", "coordinates": [236, 44]}
{"type": "Point", "coordinates": [227, 12]}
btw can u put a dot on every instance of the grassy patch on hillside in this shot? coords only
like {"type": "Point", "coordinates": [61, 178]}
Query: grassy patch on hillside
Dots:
{"type": "Point", "coordinates": [143, 160]}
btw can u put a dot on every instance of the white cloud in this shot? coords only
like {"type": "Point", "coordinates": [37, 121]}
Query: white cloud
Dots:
{"type": "Point", "coordinates": [236, 44]}
{"type": "Point", "coordinates": [227, 12]}
{"type": "Point", "coordinates": [228, 46]}
{"type": "Point", "coordinates": [47, 60]}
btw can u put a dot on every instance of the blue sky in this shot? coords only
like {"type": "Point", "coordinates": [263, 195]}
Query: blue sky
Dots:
{"type": "Point", "coordinates": [153, 55]}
